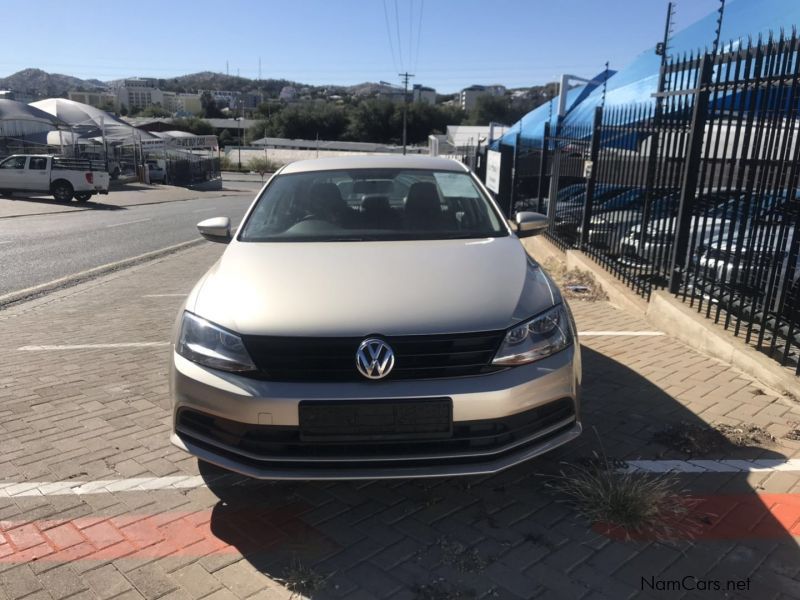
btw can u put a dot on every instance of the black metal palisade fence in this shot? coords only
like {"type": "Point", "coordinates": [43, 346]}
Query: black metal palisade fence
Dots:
{"type": "Point", "coordinates": [694, 191]}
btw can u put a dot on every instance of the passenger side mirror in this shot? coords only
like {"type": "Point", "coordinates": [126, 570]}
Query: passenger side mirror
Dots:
{"type": "Point", "coordinates": [217, 229]}
{"type": "Point", "coordinates": [528, 223]}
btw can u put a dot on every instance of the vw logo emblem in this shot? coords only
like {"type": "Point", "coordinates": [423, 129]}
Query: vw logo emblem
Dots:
{"type": "Point", "coordinates": [374, 358]}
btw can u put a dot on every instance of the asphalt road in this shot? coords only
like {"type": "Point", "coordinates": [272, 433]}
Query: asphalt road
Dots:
{"type": "Point", "coordinates": [41, 248]}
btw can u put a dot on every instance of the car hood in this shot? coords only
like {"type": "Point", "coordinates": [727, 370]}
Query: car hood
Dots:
{"type": "Point", "coordinates": [361, 288]}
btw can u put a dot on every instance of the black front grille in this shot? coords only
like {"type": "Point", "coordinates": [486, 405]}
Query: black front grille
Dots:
{"type": "Point", "coordinates": [285, 442]}
{"type": "Point", "coordinates": [334, 359]}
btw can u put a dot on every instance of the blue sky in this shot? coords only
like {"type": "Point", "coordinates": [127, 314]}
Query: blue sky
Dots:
{"type": "Point", "coordinates": [512, 42]}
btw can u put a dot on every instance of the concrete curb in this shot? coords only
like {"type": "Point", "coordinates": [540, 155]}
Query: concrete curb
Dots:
{"type": "Point", "coordinates": [618, 295]}
{"type": "Point", "coordinates": [43, 289]}
{"type": "Point", "coordinates": [677, 320]}
{"type": "Point", "coordinates": [684, 323]}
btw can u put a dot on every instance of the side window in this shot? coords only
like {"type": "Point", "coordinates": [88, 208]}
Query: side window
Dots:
{"type": "Point", "coordinates": [15, 162]}
{"type": "Point", "coordinates": [37, 164]}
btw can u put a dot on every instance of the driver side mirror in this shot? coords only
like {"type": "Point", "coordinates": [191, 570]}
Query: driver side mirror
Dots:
{"type": "Point", "coordinates": [527, 224]}
{"type": "Point", "coordinates": [217, 229]}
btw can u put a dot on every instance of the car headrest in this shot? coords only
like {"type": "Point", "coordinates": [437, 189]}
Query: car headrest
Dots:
{"type": "Point", "coordinates": [375, 204]}
{"type": "Point", "coordinates": [423, 199]}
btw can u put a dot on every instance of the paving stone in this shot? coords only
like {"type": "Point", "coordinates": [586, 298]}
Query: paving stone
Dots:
{"type": "Point", "coordinates": [151, 581]}
{"type": "Point", "coordinates": [18, 582]}
{"type": "Point", "coordinates": [241, 578]}
{"type": "Point", "coordinates": [196, 580]}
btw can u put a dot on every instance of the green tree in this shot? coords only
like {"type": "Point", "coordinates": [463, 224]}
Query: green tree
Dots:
{"type": "Point", "coordinates": [155, 111]}
{"type": "Point", "coordinates": [193, 125]}
{"type": "Point", "coordinates": [491, 108]}
{"type": "Point", "coordinates": [307, 121]}
{"type": "Point", "coordinates": [373, 121]}
{"type": "Point", "coordinates": [209, 106]}
{"type": "Point", "coordinates": [225, 138]}
{"type": "Point", "coordinates": [261, 165]}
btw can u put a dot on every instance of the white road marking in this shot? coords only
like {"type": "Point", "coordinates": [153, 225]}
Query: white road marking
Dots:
{"type": "Point", "coordinates": [94, 346]}
{"type": "Point", "coordinates": [6, 242]}
{"type": "Point", "coordinates": [127, 223]}
{"type": "Point", "coordinates": [205, 209]}
{"type": "Point", "coordinates": [165, 295]}
{"type": "Point", "coordinates": [714, 466]}
{"type": "Point", "coordinates": [14, 489]}
{"type": "Point", "coordinates": [619, 333]}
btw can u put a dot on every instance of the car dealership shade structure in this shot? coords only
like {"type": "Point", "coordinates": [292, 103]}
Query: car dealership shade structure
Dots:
{"type": "Point", "coordinates": [90, 122]}
{"type": "Point", "coordinates": [22, 121]}
{"type": "Point", "coordinates": [637, 82]}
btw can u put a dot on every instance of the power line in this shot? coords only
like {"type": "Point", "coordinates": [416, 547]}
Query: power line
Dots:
{"type": "Point", "coordinates": [410, 30]}
{"type": "Point", "coordinates": [397, 26]}
{"type": "Point", "coordinates": [389, 34]}
{"type": "Point", "coordinates": [419, 33]}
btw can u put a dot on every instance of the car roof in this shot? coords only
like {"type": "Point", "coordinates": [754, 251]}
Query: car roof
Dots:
{"type": "Point", "coordinates": [428, 163]}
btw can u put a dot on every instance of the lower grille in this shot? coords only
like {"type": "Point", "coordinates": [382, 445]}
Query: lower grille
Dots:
{"type": "Point", "coordinates": [284, 443]}
{"type": "Point", "coordinates": [334, 359]}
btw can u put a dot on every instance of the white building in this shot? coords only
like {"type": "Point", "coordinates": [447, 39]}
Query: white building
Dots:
{"type": "Point", "coordinates": [102, 100]}
{"type": "Point", "coordinates": [139, 92]}
{"type": "Point", "coordinates": [288, 93]}
{"type": "Point", "coordinates": [421, 93]}
{"type": "Point", "coordinates": [469, 96]}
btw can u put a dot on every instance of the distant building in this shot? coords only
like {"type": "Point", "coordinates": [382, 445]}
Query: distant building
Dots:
{"type": "Point", "coordinates": [468, 96]}
{"type": "Point", "coordinates": [139, 92]}
{"type": "Point", "coordinates": [188, 103]}
{"type": "Point", "coordinates": [288, 93]}
{"type": "Point", "coordinates": [102, 100]}
{"type": "Point", "coordinates": [424, 94]}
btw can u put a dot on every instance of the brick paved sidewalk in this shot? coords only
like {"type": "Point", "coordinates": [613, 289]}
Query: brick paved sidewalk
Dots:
{"type": "Point", "coordinates": [89, 415]}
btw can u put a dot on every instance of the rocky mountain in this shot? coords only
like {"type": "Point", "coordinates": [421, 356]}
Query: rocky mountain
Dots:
{"type": "Point", "coordinates": [39, 83]}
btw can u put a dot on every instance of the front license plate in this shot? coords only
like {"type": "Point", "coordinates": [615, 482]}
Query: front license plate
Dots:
{"type": "Point", "coordinates": [376, 419]}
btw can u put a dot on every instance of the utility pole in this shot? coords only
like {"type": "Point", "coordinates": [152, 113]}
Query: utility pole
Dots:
{"type": "Point", "coordinates": [405, 76]}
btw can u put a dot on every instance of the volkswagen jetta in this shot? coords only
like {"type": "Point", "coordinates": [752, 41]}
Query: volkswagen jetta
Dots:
{"type": "Point", "coordinates": [374, 317]}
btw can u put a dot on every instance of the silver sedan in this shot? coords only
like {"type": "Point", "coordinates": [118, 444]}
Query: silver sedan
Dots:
{"type": "Point", "coordinates": [374, 317]}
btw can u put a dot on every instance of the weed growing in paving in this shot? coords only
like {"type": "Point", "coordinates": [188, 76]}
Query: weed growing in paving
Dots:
{"type": "Point", "coordinates": [640, 505]}
{"type": "Point", "coordinates": [574, 284]}
{"type": "Point", "coordinates": [699, 440]}
{"type": "Point", "coordinates": [302, 581]}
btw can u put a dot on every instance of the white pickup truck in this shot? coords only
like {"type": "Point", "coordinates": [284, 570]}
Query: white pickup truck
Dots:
{"type": "Point", "coordinates": [64, 178]}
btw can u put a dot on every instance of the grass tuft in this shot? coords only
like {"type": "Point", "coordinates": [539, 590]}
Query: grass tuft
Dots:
{"type": "Point", "coordinates": [302, 581]}
{"type": "Point", "coordinates": [641, 506]}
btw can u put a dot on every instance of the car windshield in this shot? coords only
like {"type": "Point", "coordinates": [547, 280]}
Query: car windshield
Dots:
{"type": "Point", "coordinates": [371, 204]}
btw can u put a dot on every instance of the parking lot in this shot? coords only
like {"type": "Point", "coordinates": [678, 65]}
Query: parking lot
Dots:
{"type": "Point", "coordinates": [95, 502]}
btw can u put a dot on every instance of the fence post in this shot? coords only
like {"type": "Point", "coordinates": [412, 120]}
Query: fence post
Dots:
{"type": "Point", "coordinates": [555, 167]}
{"type": "Point", "coordinates": [512, 194]}
{"type": "Point", "coordinates": [594, 151]}
{"type": "Point", "coordinates": [691, 170]}
{"type": "Point", "coordinates": [543, 167]}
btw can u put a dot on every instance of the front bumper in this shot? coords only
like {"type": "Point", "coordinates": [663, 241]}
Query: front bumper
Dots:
{"type": "Point", "coordinates": [527, 395]}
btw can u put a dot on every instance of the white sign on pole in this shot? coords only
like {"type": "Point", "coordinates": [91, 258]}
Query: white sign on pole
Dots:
{"type": "Point", "coordinates": [493, 171]}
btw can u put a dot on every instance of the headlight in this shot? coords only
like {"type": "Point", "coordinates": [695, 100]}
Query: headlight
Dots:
{"type": "Point", "coordinates": [212, 346]}
{"type": "Point", "coordinates": [537, 338]}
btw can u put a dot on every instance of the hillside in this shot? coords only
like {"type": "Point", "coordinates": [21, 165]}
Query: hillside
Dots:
{"type": "Point", "coordinates": [46, 85]}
